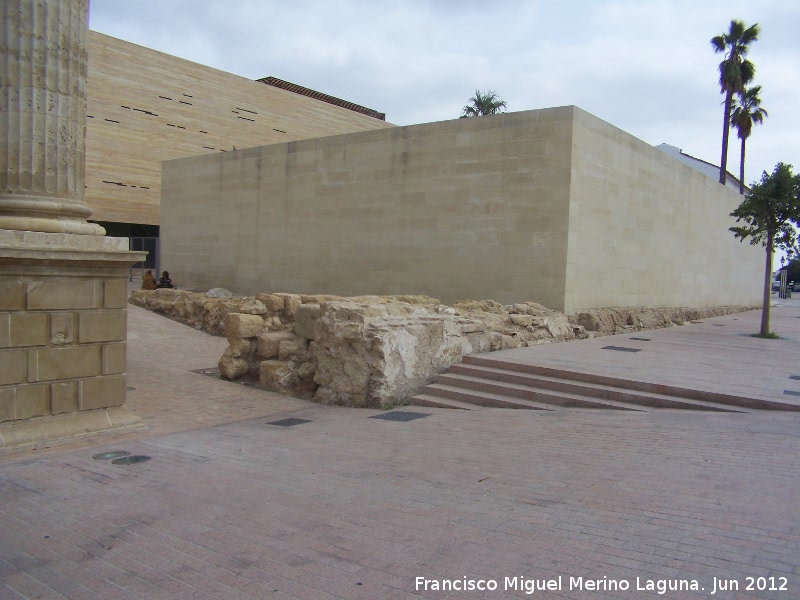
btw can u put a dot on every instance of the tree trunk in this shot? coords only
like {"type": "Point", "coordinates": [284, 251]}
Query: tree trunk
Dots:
{"type": "Point", "coordinates": [726, 127]}
{"type": "Point", "coordinates": [741, 169]}
{"type": "Point", "coordinates": [767, 288]}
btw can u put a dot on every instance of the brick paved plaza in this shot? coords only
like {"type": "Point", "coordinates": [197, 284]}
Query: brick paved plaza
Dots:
{"type": "Point", "coordinates": [349, 506]}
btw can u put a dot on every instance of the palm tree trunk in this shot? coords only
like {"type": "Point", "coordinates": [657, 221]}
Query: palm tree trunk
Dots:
{"type": "Point", "coordinates": [726, 127]}
{"type": "Point", "coordinates": [741, 169]}
{"type": "Point", "coordinates": [767, 288]}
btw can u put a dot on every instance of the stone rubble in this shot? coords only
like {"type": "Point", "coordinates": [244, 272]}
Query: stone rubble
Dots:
{"type": "Point", "coordinates": [378, 351]}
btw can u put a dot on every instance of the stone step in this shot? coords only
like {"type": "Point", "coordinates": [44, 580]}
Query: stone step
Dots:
{"type": "Point", "coordinates": [517, 397]}
{"type": "Point", "coordinates": [721, 400]}
{"type": "Point", "coordinates": [501, 377]}
{"type": "Point", "coordinates": [442, 402]}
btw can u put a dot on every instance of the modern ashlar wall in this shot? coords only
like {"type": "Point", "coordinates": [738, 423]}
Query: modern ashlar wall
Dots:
{"type": "Point", "coordinates": [648, 230]}
{"type": "Point", "coordinates": [471, 208]}
{"type": "Point", "coordinates": [553, 206]}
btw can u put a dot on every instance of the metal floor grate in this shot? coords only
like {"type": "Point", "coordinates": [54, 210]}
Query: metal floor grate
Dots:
{"type": "Point", "coordinates": [638, 339]}
{"type": "Point", "coordinates": [791, 393]}
{"type": "Point", "coordinates": [291, 422]}
{"type": "Point", "coordinates": [400, 415]}
{"type": "Point", "coordinates": [622, 349]}
{"type": "Point", "coordinates": [795, 377]}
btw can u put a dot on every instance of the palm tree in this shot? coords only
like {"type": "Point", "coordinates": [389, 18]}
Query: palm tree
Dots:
{"type": "Point", "coordinates": [735, 71]}
{"type": "Point", "coordinates": [484, 104]}
{"type": "Point", "coordinates": [747, 112]}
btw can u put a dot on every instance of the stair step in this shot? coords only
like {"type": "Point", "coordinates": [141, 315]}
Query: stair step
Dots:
{"type": "Point", "coordinates": [441, 402]}
{"type": "Point", "coordinates": [476, 374]}
{"type": "Point", "coordinates": [536, 400]}
{"type": "Point", "coordinates": [700, 396]}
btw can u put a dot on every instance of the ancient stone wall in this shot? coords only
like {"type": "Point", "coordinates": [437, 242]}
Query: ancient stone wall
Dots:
{"type": "Point", "coordinates": [380, 350]}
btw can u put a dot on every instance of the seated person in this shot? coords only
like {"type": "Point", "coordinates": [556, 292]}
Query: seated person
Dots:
{"type": "Point", "coordinates": [165, 281]}
{"type": "Point", "coordinates": [148, 280]}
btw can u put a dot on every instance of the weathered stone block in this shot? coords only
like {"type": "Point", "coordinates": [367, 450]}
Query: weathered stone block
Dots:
{"type": "Point", "coordinates": [12, 294]}
{"type": "Point", "coordinates": [296, 350]}
{"type": "Point", "coordinates": [102, 326]}
{"type": "Point", "coordinates": [269, 342]}
{"type": "Point", "coordinates": [290, 303]}
{"type": "Point", "coordinates": [62, 326]}
{"type": "Point", "coordinates": [305, 320]}
{"type": "Point", "coordinates": [63, 398]}
{"type": "Point", "coordinates": [31, 401]}
{"type": "Point", "coordinates": [5, 330]}
{"type": "Point", "coordinates": [7, 404]}
{"type": "Point", "coordinates": [238, 347]}
{"type": "Point", "coordinates": [113, 359]}
{"type": "Point", "coordinates": [273, 302]}
{"type": "Point", "coordinates": [282, 377]}
{"type": "Point", "coordinates": [48, 364]}
{"type": "Point", "coordinates": [231, 368]}
{"type": "Point", "coordinates": [521, 320]}
{"type": "Point", "coordinates": [12, 367]}
{"type": "Point", "coordinates": [61, 294]}
{"type": "Point", "coordinates": [238, 325]}
{"type": "Point", "coordinates": [251, 306]}
{"type": "Point", "coordinates": [28, 329]}
{"type": "Point", "coordinates": [114, 294]}
{"type": "Point", "coordinates": [101, 392]}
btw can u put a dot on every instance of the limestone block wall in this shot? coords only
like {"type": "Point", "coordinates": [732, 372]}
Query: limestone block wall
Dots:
{"type": "Point", "coordinates": [648, 230]}
{"type": "Point", "coordinates": [145, 107]}
{"type": "Point", "coordinates": [464, 209]}
{"type": "Point", "coordinates": [62, 340]}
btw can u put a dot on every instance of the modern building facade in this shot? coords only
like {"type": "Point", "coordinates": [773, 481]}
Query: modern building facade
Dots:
{"type": "Point", "coordinates": [554, 206]}
{"type": "Point", "coordinates": [145, 107]}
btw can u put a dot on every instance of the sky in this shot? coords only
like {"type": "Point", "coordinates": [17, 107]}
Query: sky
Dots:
{"type": "Point", "coordinates": [645, 66]}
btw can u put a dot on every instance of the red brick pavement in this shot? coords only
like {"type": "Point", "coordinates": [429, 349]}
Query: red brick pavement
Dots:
{"type": "Point", "coordinates": [347, 506]}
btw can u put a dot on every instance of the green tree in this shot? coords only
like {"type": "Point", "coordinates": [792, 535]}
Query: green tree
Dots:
{"type": "Point", "coordinates": [746, 112]}
{"type": "Point", "coordinates": [480, 104]}
{"type": "Point", "coordinates": [770, 214]}
{"type": "Point", "coordinates": [793, 268]}
{"type": "Point", "coordinates": [735, 71]}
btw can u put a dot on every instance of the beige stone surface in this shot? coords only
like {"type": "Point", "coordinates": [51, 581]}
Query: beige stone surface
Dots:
{"type": "Point", "coordinates": [101, 326]}
{"type": "Point", "coordinates": [145, 107]}
{"type": "Point", "coordinates": [48, 364]}
{"type": "Point", "coordinates": [31, 401]}
{"type": "Point", "coordinates": [114, 358]}
{"type": "Point", "coordinates": [12, 366]}
{"type": "Point", "coordinates": [553, 206]}
{"type": "Point", "coordinates": [63, 398]}
{"type": "Point", "coordinates": [28, 329]}
{"type": "Point", "coordinates": [101, 392]}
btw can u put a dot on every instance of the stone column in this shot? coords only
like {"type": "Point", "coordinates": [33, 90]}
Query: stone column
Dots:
{"type": "Point", "coordinates": [62, 282]}
{"type": "Point", "coordinates": [43, 116]}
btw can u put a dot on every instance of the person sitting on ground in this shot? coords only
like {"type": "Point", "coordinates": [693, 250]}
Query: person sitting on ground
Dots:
{"type": "Point", "coordinates": [148, 280]}
{"type": "Point", "coordinates": [165, 281]}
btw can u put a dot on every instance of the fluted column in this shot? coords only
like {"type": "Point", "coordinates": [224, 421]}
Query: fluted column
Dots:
{"type": "Point", "coordinates": [43, 116]}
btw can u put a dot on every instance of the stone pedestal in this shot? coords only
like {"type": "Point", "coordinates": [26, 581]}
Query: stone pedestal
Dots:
{"type": "Point", "coordinates": [62, 335]}
{"type": "Point", "coordinates": [62, 286]}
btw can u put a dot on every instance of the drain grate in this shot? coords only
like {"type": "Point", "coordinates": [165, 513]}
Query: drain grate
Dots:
{"type": "Point", "coordinates": [130, 460]}
{"type": "Point", "coordinates": [791, 393]}
{"type": "Point", "coordinates": [641, 339]}
{"type": "Point", "coordinates": [291, 422]}
{"type": "Point", "coordinates": [622, 349]}
{"type": "Point", "coordinates": [400, 415]}
{"type": "Point", "coordinates": [795, 377]}
{"type": "Point", "coordinates": [718, 325]}
{"type": "Point", "coordinates": [109, 455]}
